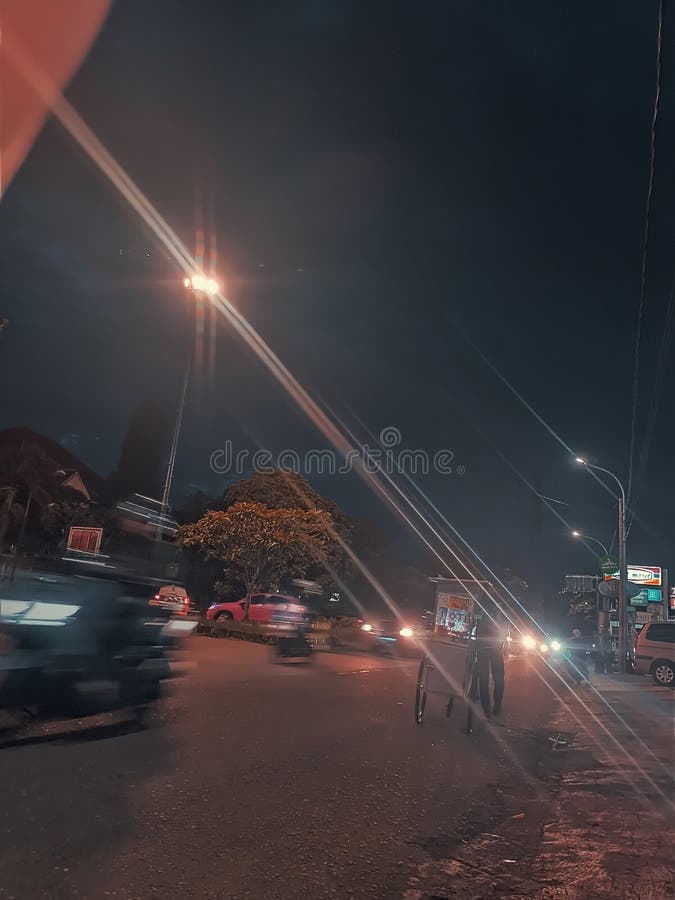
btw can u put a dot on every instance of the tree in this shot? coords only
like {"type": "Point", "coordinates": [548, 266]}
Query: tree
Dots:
{"type": "Point", "coordinates": [140, 465]}
{"type": "Point", "coordinates": [288, 490]}
{"type": "Point", "coordinates": [194, 506]}
{"type": "Point", "coordinates": [27, 475]}
{"type": "Point", "coordinates": [69, 508]}
{"type": "Point", "coordinates": [257, 545]}
{"type": "Point", "coordinates": [285, 490]}
{"type": "Point", "coordinates": [583, 607]}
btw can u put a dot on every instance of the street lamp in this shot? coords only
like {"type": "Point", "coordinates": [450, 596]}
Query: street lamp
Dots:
{"type": "Point", "coordinates": [200, 284]}
{"type": "Point", "coordinates": [623, 572]}
{"type": "Point", "coordinates": [587, 537]}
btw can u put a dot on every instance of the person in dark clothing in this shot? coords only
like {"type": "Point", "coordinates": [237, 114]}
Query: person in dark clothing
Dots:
{"type": "Point", "coordinates": [491, 632]}
{"type": "Point", "coordinates": [576, 655]}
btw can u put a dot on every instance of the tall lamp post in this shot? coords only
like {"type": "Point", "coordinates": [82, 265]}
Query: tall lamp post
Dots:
{"type": "Point", "coordinates": [200, 284]}
{"type": "Point", "coordinates": [623, 569]}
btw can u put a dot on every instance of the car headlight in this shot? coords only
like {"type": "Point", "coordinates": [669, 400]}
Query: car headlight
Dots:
{"type": "Point", "coordinates": [406, 632]}
{"type": "Point", "coordinates": [529, 642]}
{"type": "Point", "coordinates": [555, 645]}
{"type": "Point", "coordinates": [543, 648]}
{"type": "Point", "coordinates": [366, 627]}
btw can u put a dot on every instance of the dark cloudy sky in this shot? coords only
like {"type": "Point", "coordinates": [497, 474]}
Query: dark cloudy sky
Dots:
{"type": "Point", "coordinates": [431, 168]}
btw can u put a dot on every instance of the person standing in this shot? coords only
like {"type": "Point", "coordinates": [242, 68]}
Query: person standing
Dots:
{"type": "Point", "coordinates": [491, 633]}
{"type": "Point", "coordinates": [577, 657]}
{"type": "Point", "coordinates": [602, 659]}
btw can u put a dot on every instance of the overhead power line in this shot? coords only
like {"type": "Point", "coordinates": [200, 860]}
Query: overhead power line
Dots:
{"type": "Point", "coordinates": [645, 246]}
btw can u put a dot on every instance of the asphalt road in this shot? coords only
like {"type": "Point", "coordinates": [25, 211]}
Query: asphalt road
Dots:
{"type": "Point", "coordinates": [256, 780]}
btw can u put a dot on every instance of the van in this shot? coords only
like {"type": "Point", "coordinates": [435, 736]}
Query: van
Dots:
{"type": "Point", "coordinates": [172, 598]}
{"type": "Point", "coordinates": [655, 652]}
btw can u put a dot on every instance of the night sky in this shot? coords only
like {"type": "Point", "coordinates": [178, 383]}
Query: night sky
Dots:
{"type": "Point", "coordinates": [384, 180]}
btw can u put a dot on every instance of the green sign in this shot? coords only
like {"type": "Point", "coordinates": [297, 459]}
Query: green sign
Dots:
{"type": "Point", "coordinates": [647, 595]}
{"type": "Point", "coordinates": [608, 565]}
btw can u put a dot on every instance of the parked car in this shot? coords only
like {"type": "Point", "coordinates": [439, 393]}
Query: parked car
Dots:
{"type": "Point", "coordinates": [262, 609]}
{"type": "Point", "coordinates": [172, 598]}
{"type": "Point", "coordinates": [655, 652]}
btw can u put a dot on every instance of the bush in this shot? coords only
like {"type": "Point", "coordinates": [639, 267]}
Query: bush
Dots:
{"type": "Point", "coordinates": [246, 631]}
{"type": "Point", "coordinates": [324, 632]}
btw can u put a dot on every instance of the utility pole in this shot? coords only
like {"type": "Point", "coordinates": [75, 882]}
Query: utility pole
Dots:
{"type": "Point", "coordinates": [623, 585]}
{"type": "Point", "coordinates": [623, 568]}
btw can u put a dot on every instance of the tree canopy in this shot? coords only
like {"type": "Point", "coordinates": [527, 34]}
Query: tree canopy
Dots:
{"type": "Point", "coordinates": [285, 490]}
{"type": "Point", "coordinates": [25, 472]}
{"type": "Point", "coordinates": [257, 545]}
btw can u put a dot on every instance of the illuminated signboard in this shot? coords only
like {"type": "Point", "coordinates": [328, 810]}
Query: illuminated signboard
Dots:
{"type": "Point", "coordinates": [647, 595]}
{"type": "Point", "coordinates": [643, 575]}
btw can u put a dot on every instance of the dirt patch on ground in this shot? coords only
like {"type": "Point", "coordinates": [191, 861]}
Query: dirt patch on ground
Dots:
{"type": "Point", "coordinates": [585, 826]}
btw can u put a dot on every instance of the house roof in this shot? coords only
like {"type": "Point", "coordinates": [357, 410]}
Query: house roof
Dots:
{"type": "Point", "coordinates": [72, 466]}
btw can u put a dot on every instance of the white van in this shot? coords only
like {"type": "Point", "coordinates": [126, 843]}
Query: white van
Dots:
{"type": "Point", "coordinates": [172, 598]}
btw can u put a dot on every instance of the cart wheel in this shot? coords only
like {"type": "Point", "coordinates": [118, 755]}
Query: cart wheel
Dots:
{"type": "Point", "coordinates": [471, 704]}
{"type": "Point", "coordinates": [420, 692]}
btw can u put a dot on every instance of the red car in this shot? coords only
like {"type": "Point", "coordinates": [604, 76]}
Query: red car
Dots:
{"type": "Point", "coordinates": [263, 607]}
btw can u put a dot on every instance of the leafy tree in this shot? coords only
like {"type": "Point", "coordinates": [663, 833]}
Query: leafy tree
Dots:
{"type": "Point", "coordinates": [285, 490]}
{"type": "Point", "coordinates": [257, 545]}
{"type": "Point", "coordinates": [140, 465]}
{"type": "Point", "coordinates": [583, 607]}
{"type": "Point", "coordinates": [69, 508]}
{"type": "Point", "coordinates": [194, 506]}
{"type": "Point", "coordinates": [27, 475]}
{"type": "Point", "coordinates": [197, 574]}
{"type": "Point", "coordinates": [288, 490]}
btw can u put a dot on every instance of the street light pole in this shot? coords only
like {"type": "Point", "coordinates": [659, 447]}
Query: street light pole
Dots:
{"type": "Point", "coordinates": [198, 284]}
{"type": "Point", "coordinates": [623, 585]}
{"type": "Point", "coordinates": [623, 566]}
{"type": "Point", "coordinates": [587, 537]}
{"type": "Point", "coordinates": [168, 478]}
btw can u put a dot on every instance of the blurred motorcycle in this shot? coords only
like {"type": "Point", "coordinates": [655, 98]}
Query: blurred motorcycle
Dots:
{"type": "Point", "coordinates": [74, 647]}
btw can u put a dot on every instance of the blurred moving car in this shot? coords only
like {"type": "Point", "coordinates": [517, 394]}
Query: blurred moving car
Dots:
{"type": "Point", "coordinates": [173, 599]}
{"type": "Point", "coordinates": [526, 644]}
{"type": "Point", "coordinates": [263, 608]}
{"type": "Point", "coordinates": [655, 652]}
{"type": "Point", "coordinates": [390, 635]}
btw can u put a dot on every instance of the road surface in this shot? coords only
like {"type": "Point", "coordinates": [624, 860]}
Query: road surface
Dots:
{"type": "Point", "coordinates": [256, 780]}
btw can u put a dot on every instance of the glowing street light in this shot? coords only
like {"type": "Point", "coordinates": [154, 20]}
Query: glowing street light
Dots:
{"type": "Point", "coordinates": [588, 537]}
{"type": "Point", "coordinates": [202, 284]}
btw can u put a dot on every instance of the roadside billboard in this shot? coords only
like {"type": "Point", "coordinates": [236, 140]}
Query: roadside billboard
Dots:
{"type": "Point", "coordinates": [645, 576]}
